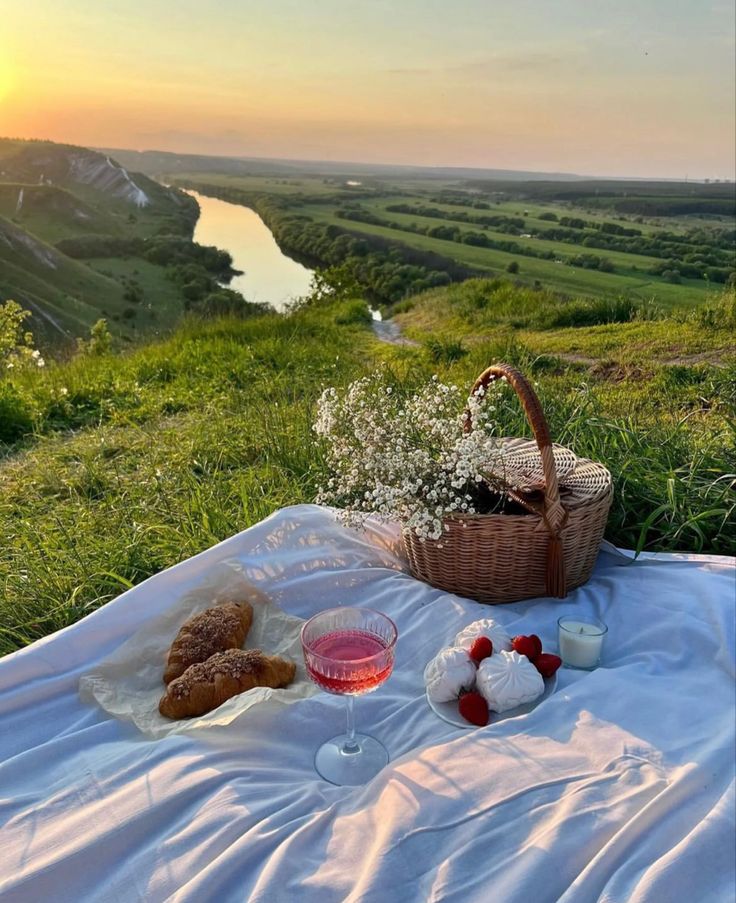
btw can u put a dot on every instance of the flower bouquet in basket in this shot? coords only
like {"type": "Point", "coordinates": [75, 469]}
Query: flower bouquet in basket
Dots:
{"type": "Point", "coordinates": [489, 517]}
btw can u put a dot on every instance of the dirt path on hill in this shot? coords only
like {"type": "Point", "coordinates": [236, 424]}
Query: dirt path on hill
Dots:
{"type": "Point", "coordinates": [388, 330]}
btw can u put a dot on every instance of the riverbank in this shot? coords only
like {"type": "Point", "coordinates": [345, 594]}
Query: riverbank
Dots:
{"type": "Point", "coordinates": [266, 275]}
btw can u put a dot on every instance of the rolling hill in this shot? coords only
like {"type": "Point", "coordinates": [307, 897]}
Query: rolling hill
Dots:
{"type": "Point", "coordinates": [50, 193]}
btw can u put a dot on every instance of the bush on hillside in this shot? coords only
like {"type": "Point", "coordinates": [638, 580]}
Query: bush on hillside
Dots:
{"type": "Point", "coordinates": [445, 351]}
{"type": "Point", "coordinates": [16, 342]}
{"type": "Point", "coordinates": [99, 341]}
{"type": "Point", "coordinates": [226, 303]}
{"type": "Point", "coordinates": [589, 312]}
{"type": "Point", "coordinates": [353, 312]}
{"type": "Point", "coordinates": [15, 416]}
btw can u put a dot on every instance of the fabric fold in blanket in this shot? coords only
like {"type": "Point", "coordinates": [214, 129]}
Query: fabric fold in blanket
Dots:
{"type": "Point", "coordinates": [619, 787]}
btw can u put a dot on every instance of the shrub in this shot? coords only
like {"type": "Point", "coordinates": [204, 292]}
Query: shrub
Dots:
{"type": "Point", "coordinates": [719, 313]}
{"type": "Point", "coordinates": [15, 415]}
{"type": "Point", "coordinates": [16, 343]}
{"type": "Point", "coordinates": [444, 350]}
{"type": "Point", "coordinates": [353, 312]}
{"type": "Point", "coordinates": [99, 342]}
{"type": "Point", "coordinates": [592, 312]}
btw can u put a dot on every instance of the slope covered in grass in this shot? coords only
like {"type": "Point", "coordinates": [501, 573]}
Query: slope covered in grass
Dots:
{"type": "Point", "coordinates": [53, 196]}
{"type": "Point", "coordinates": [120, 465]}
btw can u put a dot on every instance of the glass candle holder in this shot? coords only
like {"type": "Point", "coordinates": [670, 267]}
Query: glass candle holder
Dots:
{"type": "Point", "coordinates": [581, 641]}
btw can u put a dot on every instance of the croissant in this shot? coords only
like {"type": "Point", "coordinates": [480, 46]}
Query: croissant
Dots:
{"type": "Point", "coordinates": [213, 630]}
{"type": "Point", "coordinates": [208, 684]}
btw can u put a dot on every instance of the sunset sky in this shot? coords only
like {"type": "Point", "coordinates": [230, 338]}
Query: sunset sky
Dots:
{"type": "Point", "coordinates": [636, 87]}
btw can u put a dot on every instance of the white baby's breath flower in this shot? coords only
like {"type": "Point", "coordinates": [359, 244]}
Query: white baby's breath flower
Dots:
{"type": "Point", "coordinates": [403, 458]}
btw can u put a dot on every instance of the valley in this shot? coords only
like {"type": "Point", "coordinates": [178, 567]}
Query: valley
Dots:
{"type": "Point", "coordinates": [82, 239]}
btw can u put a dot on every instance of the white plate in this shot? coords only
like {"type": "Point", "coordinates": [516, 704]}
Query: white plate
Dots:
{"type": "Point", "coordinates": [448, 712]}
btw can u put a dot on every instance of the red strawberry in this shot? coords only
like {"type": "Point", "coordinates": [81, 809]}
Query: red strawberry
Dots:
{"type": "Point", "coordinates": [481, 648]}
{"type": "Point", "coordinates": [547, 664]}
{"type": "Point", "coordinates": [526, 645]}
{"type": "Point", "coordinates": [474, 708]}
{"type": "Point", "coordinates": [538, 643]}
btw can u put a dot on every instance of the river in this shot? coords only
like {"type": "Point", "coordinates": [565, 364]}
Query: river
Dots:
{"type": "Point", "coordinates": [268, 275]}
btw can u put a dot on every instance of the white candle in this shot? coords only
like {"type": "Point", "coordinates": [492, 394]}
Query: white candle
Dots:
{"type": "Point", "coordinates": [581, 642]}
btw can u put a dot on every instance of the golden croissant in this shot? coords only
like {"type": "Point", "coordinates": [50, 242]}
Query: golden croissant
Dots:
{"type": "Point", "coordinates": [208, 684]}
{"type": "Point", "coordinates": [213, 630]}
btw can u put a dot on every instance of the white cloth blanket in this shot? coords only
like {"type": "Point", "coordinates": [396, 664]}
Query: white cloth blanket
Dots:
{"type": "Point", "coordinates": [619, 787]}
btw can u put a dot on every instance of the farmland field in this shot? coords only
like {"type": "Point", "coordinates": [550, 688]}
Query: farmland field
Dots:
{"type": "Point", "coordinates": [580, 247]}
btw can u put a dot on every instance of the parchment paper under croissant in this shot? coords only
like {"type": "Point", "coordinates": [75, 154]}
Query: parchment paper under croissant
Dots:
{"type": "Point", "coordinates": [213, 630]}
{"type": "Point", "coordinates": [208, 684]}
{"type": "Point", "coordinates": [127, 683]}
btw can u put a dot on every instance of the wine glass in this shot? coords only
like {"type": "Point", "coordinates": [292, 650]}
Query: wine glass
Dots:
{"type": "Point", "coordinates": [349, 651]}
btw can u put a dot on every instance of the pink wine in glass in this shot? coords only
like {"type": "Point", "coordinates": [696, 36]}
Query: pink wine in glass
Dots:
{"type": "Point", "coordinates": [349, 651]}
{"type": "Point", "coordinates": [348, 661]}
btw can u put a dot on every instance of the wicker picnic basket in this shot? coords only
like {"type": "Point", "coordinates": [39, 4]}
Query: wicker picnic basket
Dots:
{"type": "Point", "coordinates": [547, 551]}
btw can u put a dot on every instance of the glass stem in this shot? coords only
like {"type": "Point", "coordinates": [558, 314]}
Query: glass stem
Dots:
{"type": "Point", "coordinates": [351, 744]}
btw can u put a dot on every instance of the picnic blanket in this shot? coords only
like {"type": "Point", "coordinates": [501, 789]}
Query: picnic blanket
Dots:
{"type": "Point", "coordinates": [618, 787]}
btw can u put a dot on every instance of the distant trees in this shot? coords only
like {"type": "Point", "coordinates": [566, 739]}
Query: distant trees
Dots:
{"type": "Point", "coordinates": [671, 276]}
{"type": "Point", "coordinates": [513, 267]}
{"type": "Point", "coordinates": [591, 262]}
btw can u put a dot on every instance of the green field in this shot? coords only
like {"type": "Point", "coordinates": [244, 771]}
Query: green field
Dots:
{"type": "Point", "coordinates": [672, 261]}
{"type": "Point", "coordinates": [567, 280]}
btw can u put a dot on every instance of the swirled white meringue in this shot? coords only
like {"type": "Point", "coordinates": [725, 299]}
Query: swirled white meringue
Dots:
{"type": "Point", "coordinates": [508, 680]}
{"type": "Point", "coordinates": [450, 671]}
{"type": "Point", "coordinates": [484, 627]}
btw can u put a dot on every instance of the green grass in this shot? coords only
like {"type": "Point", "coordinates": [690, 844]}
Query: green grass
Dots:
{"type": "Point", "coordinates": [558, 276]}
{"type": "Point", "coordinates": [122, 465]}
{"type": "Point", "coordinates": [42, 279]}
{"type": "Point", "coordinates": [161, 302]}
{"type": "Point", "coordinates": [319, 199]}
{"type": "Point", "coordinates": [280, 185]}
{"type": "Point", "coordinates": [621, 259]}
{"type": "Point", "coordinates": [51, 213]}
{"type": "Point", "coordinates": [593, 329]}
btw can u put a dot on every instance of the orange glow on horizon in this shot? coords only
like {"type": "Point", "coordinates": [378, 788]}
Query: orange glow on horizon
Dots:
{"type": "Point", "coordinates": [472, 86]}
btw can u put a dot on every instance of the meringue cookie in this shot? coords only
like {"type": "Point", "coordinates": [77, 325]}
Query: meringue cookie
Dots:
{"type": "Point", "coordinates": [484, 627]}
{"type": "Point", "coordinates": [451, 670]}
{"type": "Point", "coordinates": [508, 680]}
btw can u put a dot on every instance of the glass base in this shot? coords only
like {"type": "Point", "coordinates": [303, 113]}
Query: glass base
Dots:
{"type": "Point", "coordinates": [580, 667]}
{"type": "Point", "coordinates": [339, 765]}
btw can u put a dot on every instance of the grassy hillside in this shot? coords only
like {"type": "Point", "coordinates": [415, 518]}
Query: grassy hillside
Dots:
{"type": "Point", "coordinates": [117, 466]}
{"type": "Point", "coordinates": [52, 194]}
{"type": "Point", "coordinates": [65, 296]}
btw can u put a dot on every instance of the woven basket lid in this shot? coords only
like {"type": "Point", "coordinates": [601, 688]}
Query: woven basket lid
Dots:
{"type": "Point", "coordinates": [519, 466]}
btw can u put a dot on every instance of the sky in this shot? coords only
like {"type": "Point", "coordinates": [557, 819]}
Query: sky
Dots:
{"type": "Point", "coordinates": [632, 88]}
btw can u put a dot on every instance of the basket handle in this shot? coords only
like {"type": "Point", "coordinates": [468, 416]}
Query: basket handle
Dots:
{"type": "Point", "coordinates": [554, 514]}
